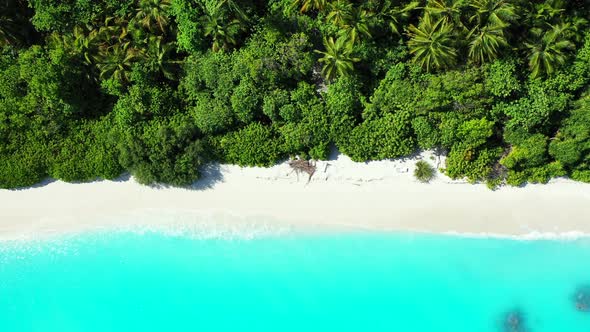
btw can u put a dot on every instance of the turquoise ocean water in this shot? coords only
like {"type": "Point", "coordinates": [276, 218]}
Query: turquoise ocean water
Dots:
{"type": "Point", "coordinates": [290, 282]}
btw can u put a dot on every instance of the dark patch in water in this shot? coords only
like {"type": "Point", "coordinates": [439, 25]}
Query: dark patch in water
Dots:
{"type": "Point", "coordinates": [514, 321]}
{"type": "Point", "coordinates": [582, 298]}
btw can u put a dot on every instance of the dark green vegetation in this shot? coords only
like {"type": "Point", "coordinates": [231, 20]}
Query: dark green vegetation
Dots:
{"type": "Point", "coordinates": [424, 172]}
{"type": "Point", "coordinates": [89, 89]}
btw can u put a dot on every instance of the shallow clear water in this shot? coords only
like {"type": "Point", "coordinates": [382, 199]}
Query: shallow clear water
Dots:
{"type": "Point", "coordinates": [337, 282]}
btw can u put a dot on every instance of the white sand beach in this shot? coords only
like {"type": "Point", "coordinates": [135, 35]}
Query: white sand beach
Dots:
{"type": "Point", "coordinates": [381, 195]}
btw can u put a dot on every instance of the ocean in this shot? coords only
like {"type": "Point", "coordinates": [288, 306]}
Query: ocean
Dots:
{"type": "Point", "coordinates": [327, 281]}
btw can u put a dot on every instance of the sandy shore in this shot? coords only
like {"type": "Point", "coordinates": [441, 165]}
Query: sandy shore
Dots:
{"type": "Point", "coordinates": [342, 194]}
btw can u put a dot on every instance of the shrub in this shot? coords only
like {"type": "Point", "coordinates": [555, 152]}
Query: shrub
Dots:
{"type": "Point", "coordinates": [320, 151]}
{"type": "Point", "coordinates": [254, 145]}
{"type": "Point", "coordinates": [387, 137]}
{"type": "Point", "coordinates": [530, 152]}
{"type": "Point", "coordinates": [475, 165]}
{"type": "Point", "coordinates": [272, 103]}
{"type": "Point", "coordinates": [426, 132]}
{"type": "Point", "coordinates": [424, 172]}
{"type": "Point", "coordinates": [501, 80]}
{"type": "Point", "coordinates": [541, 174]}
{"type": "Point", "coordinates": [343, 107]}
{"type": "Point", "coordinates": [24, 167]}
{"type": "Point", "coordinates": [88, 153]}
{"type": "Point", "coordinates": [583, 176]}
{"type": "Point", "coordinates": [167, 152]}
{"type": "Point", "coordinates": [212, 115]}
{"type": "Point", "coordinates": [245, 101]}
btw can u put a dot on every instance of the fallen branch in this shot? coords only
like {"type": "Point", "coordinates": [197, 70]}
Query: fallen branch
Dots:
{"type": "Point", "coordinates": [304, 166]}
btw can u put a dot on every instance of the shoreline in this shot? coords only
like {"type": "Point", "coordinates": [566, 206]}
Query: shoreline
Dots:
{"type": "Point", "coordinates": [342, 195]}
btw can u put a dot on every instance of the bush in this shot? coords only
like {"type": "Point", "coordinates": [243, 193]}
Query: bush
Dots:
{"type": "Point", "coordinates": [320, 152]}
{"type": "Point", "coordinates": [387, 137]}
{"type": "Point", "coordinates": [244, 101]}
{"type": "Point", "coordinates": [343, 107]}
{"type": "Point", "coordinates": [254, 145]}
{"type": "Point", "coordinates": [475, 165]}
{"type": "Point", "coordinates": [536, 110]}
{"type": "Point", "coordinates": [212, 115]}
{"type": "Point", "coordinates": [530, 152]}
{"type": "Point", "coordinates": [166, 152]}
{"type": "Point", "coordinates": [571, 145]}
{"type": "Point", "coordinates": [501, 80]}
{"type": "Point", "coordinates": [426, 132]}
{"type": "Point", "coordinates": [144, 102]}
{"type": "Point", "coordinates": [24, 167]}
{"type": "Point", "coordinates": [583, 176]}
{"type": "Point", "coordinates": [273, 102]}
{"type": "Point", "coordinates": [541, 174]}
{"type": "Point", "coordinates": [87, 154]}
{"type": "Point", "coordinates": [424, 172]}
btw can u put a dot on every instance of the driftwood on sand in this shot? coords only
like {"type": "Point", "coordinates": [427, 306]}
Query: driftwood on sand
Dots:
{"type": "Point", "coordinates": [303, 166]}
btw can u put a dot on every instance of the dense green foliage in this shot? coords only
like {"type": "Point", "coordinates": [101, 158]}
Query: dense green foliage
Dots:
{"type": "Point", "coordinates": [91, 89]}
{"type": "Point", "coordinates": [424, 172]}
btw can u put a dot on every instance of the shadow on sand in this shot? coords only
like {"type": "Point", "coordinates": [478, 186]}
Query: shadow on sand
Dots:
{"type": "Point", "coordinates": [210, 176]}
{"type": "Point", "coordinates": [41, 184]}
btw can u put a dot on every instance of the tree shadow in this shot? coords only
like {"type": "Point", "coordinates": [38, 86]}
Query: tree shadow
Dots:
{"type": "Point", "coordinates": [414, 156]}
{"type": "Point", "coordinates": [47, 181]}
{"type": "Point", "coordinates": [37, 185]}
{"type": "Point", "coordinates": [210, 176]}
{"type": "Point", "coordinates": [334, 153]}
{"type": "Point", "coordinates": [123, 178]}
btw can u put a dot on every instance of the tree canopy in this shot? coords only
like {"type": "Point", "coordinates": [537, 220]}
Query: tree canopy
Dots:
{"type": "Point", "coordinates": [157, 88]}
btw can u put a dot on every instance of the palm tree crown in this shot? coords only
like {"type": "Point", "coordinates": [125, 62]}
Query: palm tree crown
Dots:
{"type": "Point", "coordinates": [548, 49]}
{"type": "Point", "coordinates": [337, 58]}
{"type": "Point", "coordinates": [493, 12]}
{"type": "Point", "coordinates": [307, 5]}
{"type": "Point", "coordinates": [220, 28]}
{"type": "Point", "coordinates": [485, 43]}
{"type": "Point", "coordinates": [397, 14]}
{"type": "Point", "coordinates": [340, 12]}
{"type": "Point", "coordinates": [431, 43]}
{"type": "Point", "coordinates": [153, 12]}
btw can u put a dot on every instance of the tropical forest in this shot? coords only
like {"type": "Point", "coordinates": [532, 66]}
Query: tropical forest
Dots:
{"type": "Point", "coordinates": [93, 89]}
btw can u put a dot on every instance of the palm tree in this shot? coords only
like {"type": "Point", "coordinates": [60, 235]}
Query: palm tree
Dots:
{"type": "Point", "coordinates": [431, 43]}
{"type": "Point", "coordinates": [498, 13]}
{"type": "Point", "coordinates": [397, 15]}
{"type": "Point", "coordinates": [579, 26]}
{"type": "Point", "coordinates": [113, 31]}
{"type": "Point", "coordinates": [485, 43]}
{"type": "Point", "coordinates": [235, 8]}
{"type": "Point", "coordinates": [153, 12]}
{"type": "Point", "coordinates": [547, 49]}
{"type": "Point", "coordinates": [15, 28]}
{"type": "Point", "coordinates": [491, 19]}
{"type": "Point", "coordinates": [78, 42]}
{"type": "Point", "coordinates": [340, 12]}
{"type": "Point", "coordinates": [337, 58]}
{"type": "Point", "coordinates": [157, 56]}
{"type": "Point", "coordinates": [116, 61]}
{"type": "Point", "coordinates": [307, 5]}
{"type": "Point", "coordinates": [220, 28]}
{"type": "Point", "coordinates": [548, 11]}
{"type": "Point", "coordinates": [357, 26]}
{"type": "Point", "coordinates": [448, 10]}
{"type": "Point", "coordinates": [9, 34]}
